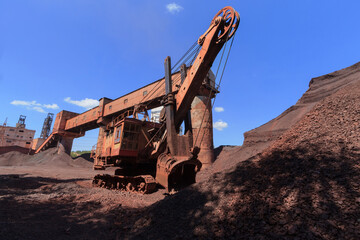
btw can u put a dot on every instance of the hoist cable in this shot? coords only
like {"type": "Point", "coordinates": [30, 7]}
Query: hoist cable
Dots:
{"type": "Point", "coordinates": [224, 67]}
{"type": "Point", "coordinates": [207, 103]}
{"type": "Point", "coordinates": [192, 50]}
{"type": "Point", "coordinates": [217, 88]}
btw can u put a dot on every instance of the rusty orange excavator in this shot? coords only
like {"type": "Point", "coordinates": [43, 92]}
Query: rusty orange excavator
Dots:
{"type": "Point", "coordinates": [149, 152]}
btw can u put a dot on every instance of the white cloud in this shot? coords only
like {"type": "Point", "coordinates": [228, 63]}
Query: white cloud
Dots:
{"type": "Point", "coordinates": [219, 109]}
{"type": "Point", "coordinates": [220, 125]}
{"type": "Point", "coordinates": [33, 105]}
{"type": "Point", "coordinates": [39, 109]}
{"type": "Point", "coordinates": [51, 106]}
{"type": "Point", "coordinates": [87, 103]}
{"type": "Point", "coordinates": [23, 103]}
{"type": "Point", "coordinates": [174, 8]}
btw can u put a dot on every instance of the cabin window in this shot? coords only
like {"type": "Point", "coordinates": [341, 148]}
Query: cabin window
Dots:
{"type": "Point", "coordinates": [21, 130]}
{"type": "Point", "coordinates": [28, 142]}
{"type": "Point", "coordinates": [144, 93]}
{"type": "Point", "coordinates": [130, 136]}
{"type": "Point", "coordinates": [8, 141]}
{"type": "Point", "coordinates": [12, 130]}
{"type": "Point", "coordinates": [138, 128]}
{"type": "Point", "coordinates": [118, 135]}
{"type": "Point", "coordinates": [110, 107]}
{"type": "Point", "coordinates": [125, 101]}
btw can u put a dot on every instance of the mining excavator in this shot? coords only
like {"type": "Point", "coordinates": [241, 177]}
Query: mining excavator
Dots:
{"type": "Point", "coordinates": [146, 152]}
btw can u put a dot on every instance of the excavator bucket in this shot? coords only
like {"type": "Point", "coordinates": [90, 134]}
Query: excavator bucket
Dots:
{"type": "Point", "coordinates": [176, 172]}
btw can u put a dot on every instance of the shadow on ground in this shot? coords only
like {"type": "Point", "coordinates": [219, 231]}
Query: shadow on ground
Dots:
{"type": "Point", "coordinates": [296, 194]}
{"type": "Point", "coordinates": [46, 208]}
{"type": "Point", "coordinates": [24, 182]}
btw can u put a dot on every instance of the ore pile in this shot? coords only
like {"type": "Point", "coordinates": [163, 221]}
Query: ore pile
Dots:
{"type": "Point", "coordinates": [305, 185]}
{"type": "Point", "coordinates": [48, 158]}
{"type": "Point", "coordinates": [258, 139]}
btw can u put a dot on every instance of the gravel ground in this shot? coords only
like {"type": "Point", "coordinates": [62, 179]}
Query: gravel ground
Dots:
{"type": "Point", "coordinates": [49, 196]}
{"type": "Point", "coordinates": [306, 185]}
{"type": "Point", "coordinates": [301, 181]}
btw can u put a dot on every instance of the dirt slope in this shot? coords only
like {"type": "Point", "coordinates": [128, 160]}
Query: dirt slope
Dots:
{"type": "Point", "coordinates": [306, 185]}
{"type": "Point", "coordinates": [258, 139]}
{"type": "Point", "coordinates": [48, 158]}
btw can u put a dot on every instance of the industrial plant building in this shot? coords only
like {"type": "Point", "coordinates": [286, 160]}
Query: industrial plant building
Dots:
{"type": "Point", "coordinates": [16, 138]}
{"type": "Point", "coordinates": [21, 139]}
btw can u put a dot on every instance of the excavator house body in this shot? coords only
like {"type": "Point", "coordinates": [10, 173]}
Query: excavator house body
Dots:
{"type": "Point", "coordinates": [124, 142]}
{"type": "Point", "coordinates": [126, 145]}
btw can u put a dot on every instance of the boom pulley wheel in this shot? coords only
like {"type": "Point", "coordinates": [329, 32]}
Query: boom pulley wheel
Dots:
{"type": "Point", "coordinates": [231, 20]}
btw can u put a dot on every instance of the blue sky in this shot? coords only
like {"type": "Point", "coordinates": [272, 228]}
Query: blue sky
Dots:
{"type": "Point", "coordinates": [57, 55]}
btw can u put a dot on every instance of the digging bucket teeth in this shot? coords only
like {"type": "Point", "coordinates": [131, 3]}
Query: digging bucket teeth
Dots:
{"type": "Point", "coordinates": [176, 172]}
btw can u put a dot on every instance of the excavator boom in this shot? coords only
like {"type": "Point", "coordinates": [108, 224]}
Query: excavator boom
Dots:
{"type": "Point", "coordinates": [222, 28]}
{"type": "Point", "coordinates": [179, 165]}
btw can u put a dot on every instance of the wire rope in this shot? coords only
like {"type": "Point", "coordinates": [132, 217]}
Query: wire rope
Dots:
{"type": "Point", "coordinates": [217, 88]}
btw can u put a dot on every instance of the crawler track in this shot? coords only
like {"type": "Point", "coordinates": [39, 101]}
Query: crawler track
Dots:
{"type": "Point", "coordinates": [141, 184]}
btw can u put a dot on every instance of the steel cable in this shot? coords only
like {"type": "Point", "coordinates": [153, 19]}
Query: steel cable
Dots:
{"type": "Point", "coordinates": [191, 52]}
{"type": "Point", "coordinates": [190, 49]}
{"type": "Point", "coordinates": [217, 88]}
